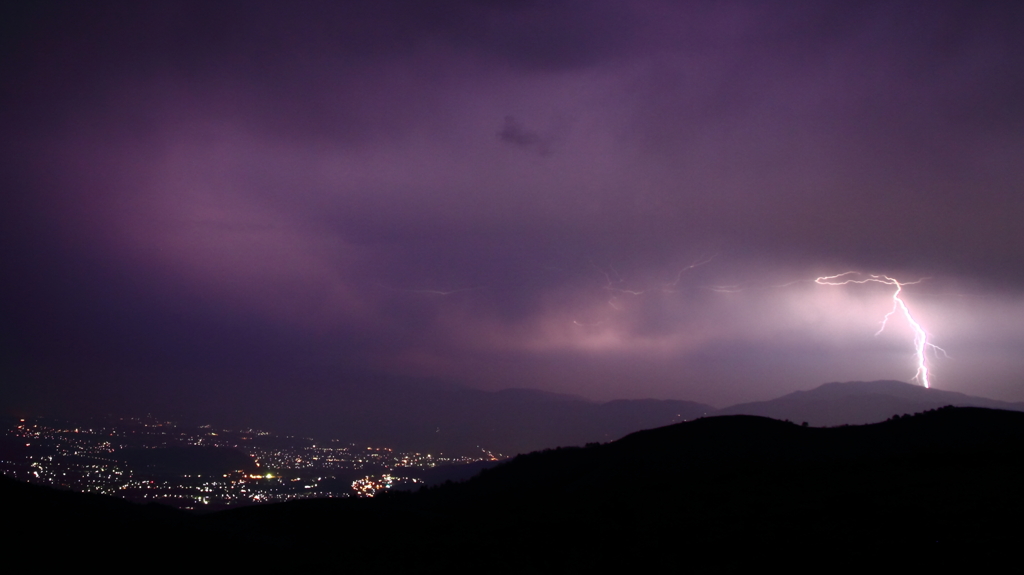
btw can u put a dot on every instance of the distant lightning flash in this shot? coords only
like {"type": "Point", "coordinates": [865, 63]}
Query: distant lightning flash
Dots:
{"type": "Point", "coordinates": [612, 285]}
{"type": "Point", "coordinates": [921, 344]}
{"type": "Point", "coordinates": [618, 288]}
{"type": "Point", "coordinates": [669, 288]}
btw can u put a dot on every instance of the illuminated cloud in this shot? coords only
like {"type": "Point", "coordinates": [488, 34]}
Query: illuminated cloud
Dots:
{"type": "Point", "coordinates": [509, 195]}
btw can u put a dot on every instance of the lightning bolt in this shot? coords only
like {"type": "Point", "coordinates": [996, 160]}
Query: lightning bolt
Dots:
{"type": "Point", "coordinates": [921, 343]}
{"type": "Point", "coordinates": [617, 286]}
{"type": "Point", "coordinates": [670, 288]}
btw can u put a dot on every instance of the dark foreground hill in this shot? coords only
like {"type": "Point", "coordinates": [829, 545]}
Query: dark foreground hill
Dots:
{"type": "Point", "coordinates": [716, 493]}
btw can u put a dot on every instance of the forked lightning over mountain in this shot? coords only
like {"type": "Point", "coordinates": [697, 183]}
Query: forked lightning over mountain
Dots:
{"type": "Point", "coordinates": [921, 343]}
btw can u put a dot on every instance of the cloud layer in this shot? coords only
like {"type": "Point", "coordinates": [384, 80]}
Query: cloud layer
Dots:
{"type": "Point", "coordinates": [583, 197]}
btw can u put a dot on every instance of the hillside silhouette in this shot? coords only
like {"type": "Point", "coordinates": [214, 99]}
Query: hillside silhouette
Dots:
{"type": "Point", "coordinates": [435, 419]}
{"type": "Point", "coordinates": [715, 493]}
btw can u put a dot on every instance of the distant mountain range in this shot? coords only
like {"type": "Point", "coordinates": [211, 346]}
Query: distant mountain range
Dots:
{"type": "Point", "coordinates": [860, 402]}
{"type": "Point", "coordinates": [522, 420]}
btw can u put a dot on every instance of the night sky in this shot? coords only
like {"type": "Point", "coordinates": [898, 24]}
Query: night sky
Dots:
{"type": "Point", "coordinates": [265, 206]}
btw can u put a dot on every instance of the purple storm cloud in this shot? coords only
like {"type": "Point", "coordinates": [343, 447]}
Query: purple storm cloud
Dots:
{"type": "Point", "coordinates": [255, 203]}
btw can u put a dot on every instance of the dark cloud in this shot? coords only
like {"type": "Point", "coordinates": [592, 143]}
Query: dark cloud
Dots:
{"type": "Point", "coordinates": [514, 133]}
{"type": "Point", "coordinates": [244, 192]}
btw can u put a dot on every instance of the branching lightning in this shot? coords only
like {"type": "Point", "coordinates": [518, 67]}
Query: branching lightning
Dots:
{"type": "Point", "coordinates": [619, 289]}
{"type": "Point", "coordinates": [616, 286]}
{"type": "Point", "coordinates": [921, 343]}
{"type": "Point", "coordinates": [671, 288]}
